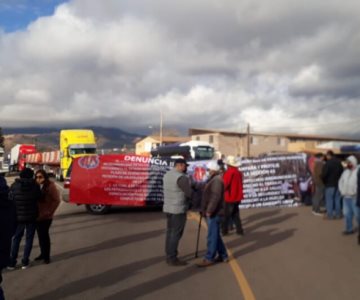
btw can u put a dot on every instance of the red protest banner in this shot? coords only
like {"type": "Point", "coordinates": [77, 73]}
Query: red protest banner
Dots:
{"type": "Point", "coordinates": [124, 180]}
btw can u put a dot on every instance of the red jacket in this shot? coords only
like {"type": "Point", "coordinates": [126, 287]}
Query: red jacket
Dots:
{"type": "Point", "coordinates": [233, 184]}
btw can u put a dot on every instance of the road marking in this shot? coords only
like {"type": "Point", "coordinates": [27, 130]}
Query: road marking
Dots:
{"type": "Point", "coordinates": [239, 274]}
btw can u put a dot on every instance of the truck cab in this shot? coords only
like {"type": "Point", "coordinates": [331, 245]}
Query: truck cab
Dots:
{"type": "Point", "coordinates": [18, 156]}
{"type": "Point", "coordinates": [75, 143]}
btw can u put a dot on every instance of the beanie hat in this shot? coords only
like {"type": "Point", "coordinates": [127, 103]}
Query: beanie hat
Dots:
{"type": "Point", "coordinates": [213, 165]}
{"type": "Point", "coordinates": [27, 173]}
{"type": "Point", "coordinates": [353, 160]}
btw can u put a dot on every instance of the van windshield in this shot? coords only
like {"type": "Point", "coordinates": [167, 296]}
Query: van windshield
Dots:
{"type": "Point", "coordinates": [203, 152]}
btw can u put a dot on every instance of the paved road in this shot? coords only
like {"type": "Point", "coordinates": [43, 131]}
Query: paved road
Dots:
{"type": "Point", "coordinates": [286, 254]}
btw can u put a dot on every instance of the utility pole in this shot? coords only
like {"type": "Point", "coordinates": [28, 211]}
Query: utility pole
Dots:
{"type": "Point", "coordinates": [248, 139]}
{"type": "Point", "coordinates": [161, 127]}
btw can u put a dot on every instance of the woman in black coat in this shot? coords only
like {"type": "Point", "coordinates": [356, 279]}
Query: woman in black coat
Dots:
{"type": "Point", "coordinates": [7, 226]}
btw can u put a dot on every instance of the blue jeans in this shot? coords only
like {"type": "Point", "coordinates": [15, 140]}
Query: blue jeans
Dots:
{"type": "Point", "coordinates": [215, 244]}
{"type": "Point", "coordinates": [350, 210]}
{"type": "Point", "coordinates": [332, 199]}
{"type": "Point", "coordinates": [29, 229]}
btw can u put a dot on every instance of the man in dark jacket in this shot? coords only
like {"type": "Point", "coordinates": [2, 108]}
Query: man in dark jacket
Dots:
{"type": "Point", "coordinates": [25, 192]}
{"type": "Point", "coordinates": [318, 192]}
{"type": "Point", "coordinates": [213, 209]}
{"type": "Point", "coordinates": [331, 174]}
{"type": "Point", "coordinates": [7, 227]}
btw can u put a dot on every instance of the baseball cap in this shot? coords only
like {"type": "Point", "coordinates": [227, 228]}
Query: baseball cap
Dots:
{"type": "Point", "coordinates": [180, 161]}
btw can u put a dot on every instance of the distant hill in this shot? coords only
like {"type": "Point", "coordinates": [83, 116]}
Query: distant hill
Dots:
{"type": "Point", "coordinates": [48, 138]}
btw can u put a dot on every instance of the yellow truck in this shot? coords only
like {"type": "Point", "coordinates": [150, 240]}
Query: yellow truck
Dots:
{"type": "Point", "coordinates": [75, 143]}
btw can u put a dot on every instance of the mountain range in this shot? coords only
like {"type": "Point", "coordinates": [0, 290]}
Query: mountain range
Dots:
{"type": "Point", "coordinates": [47, 139]}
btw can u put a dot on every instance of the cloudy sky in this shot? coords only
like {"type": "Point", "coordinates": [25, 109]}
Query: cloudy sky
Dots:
{"type": "Point", "coordinates": [279, 65]}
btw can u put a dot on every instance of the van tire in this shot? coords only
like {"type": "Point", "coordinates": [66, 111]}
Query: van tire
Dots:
{"type": "Point", "coordinates": [98, 209]}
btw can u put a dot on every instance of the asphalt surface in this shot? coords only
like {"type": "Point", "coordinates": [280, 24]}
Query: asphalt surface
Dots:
{"type": "Point", "coordinates": [286, 253]}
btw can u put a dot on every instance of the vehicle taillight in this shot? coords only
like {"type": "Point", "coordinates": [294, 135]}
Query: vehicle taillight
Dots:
{"type": "Point", "coordinates": [66, 184]}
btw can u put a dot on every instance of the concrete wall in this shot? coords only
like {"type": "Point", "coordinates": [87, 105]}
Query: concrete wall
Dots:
{"type": "Point", "coordinates": [265, 144]}
{"type": "Point", "coordinates": [302, 146]}
{"type": "Point", "coordinates": [145, 145]}
{"type": "Point", "coordinates": [237, 145]}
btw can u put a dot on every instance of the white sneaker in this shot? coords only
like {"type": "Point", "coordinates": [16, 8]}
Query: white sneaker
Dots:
{"type": "Point", "coordinates": [24, 267]}
{"type": "Point", "coordinates": [10, 268]}
{"type": "Point", "coordinates": [317, 213]}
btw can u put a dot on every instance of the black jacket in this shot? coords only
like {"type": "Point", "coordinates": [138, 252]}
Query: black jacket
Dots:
{"type": "Point", "coordinates": [358, 189]}
{"type": "Point", "coordinates": [331, 172]}
{"type": "Point", "coordinates": [26, 194]}
{"type": "Point", "coordinates": [7, 225]}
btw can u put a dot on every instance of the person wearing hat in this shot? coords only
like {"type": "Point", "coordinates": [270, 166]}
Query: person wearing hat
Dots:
{"type": "Point", "coordinates": [25, 193]}
{"type": "Point", "coordinates": [212, 207]}
{"type": "Point", "coordinates": [7, 227]}
{"type": "Point", "coordinates": [348, 190]}
{"type": "Point", "coordinates": [233, 184]}
{"type": "Point", "coordinates": [177, 195]}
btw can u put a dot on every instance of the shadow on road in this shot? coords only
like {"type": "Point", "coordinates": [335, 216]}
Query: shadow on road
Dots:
{"type": "Point", "coordinates": [256, 239]}
{"type": "Point", "coordinates": [71, 215]}
{"type": "Point", "coordinates": [138, 214]}
{"type": "Point", "coordinates": [272, 221]}
{"type": "Point", "coordinates": [100, 280]}
{"type": "Point", "coordinates": [113, 243]}
{"type": "Point", "coordinates": [61, 223]}
{"type": "Point", "coordinates": [95, 224]}
{"type": "Point", "coordinates": [260, 215]}
{"type": "Point", "coordinates": [259, 240]}
{"type": "Point", "coordinates": [156, 284]}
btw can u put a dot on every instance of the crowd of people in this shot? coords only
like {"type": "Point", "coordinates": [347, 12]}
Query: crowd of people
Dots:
{"type": "Point", "coordinates": [26, 208]}
{"type": "Point", "coordinates": [219, 205]}
{"type": "Point", "coordinates": [335, 187]}
{"type": "Point", "coordinates": [332, 189]}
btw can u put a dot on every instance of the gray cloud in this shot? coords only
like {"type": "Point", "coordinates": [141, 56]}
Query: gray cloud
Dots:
{"type": "Point", "coordinates": [278, 65]}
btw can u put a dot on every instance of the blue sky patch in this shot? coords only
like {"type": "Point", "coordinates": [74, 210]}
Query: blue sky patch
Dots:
{"type": "Point", "coordinates": [17, 14]}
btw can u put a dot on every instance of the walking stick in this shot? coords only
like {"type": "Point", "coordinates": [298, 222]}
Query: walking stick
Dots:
{"type": "Point", "coordinates": [198, 237]}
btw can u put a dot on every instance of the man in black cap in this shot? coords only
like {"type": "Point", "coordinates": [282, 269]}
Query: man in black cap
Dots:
{"type": "Point", "coordinates": [25, 192]}
{"type": "Point", "coordinates": [177, 193]}
{"type": "Point", "coordinates": [7, 227]}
